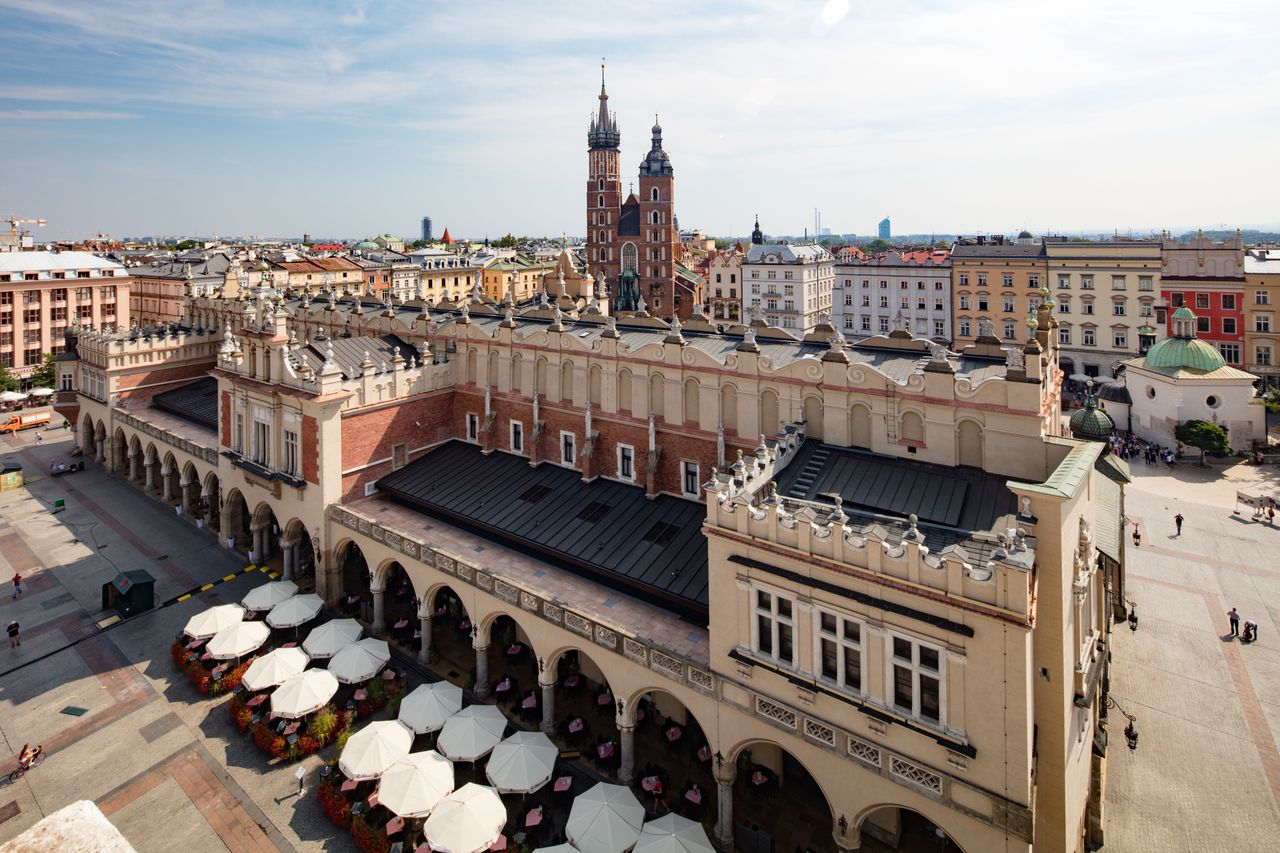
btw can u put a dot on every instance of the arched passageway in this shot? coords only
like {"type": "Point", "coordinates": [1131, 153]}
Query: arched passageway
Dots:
{"type": "Point", "coordinates": [211, 503]}
{"type": "Point", "coordinates": [585, 712]}
{"type": "Point", "coordinates": [767, 799]}
{"type": "Point", "coordinates": [446, 628]}
{"type": "Point", "coordinates": [298, 555]}
{"type": "Point", "coordinates": [897, 828]}
{"type": "Point", "coordinates": [266, 537]}
{"type": "Point", "coordinates": [235, 523]}
{"type": "Point", "coordinates": [511, 663]}
{"type": "Point", "coordinates": [673, 760]}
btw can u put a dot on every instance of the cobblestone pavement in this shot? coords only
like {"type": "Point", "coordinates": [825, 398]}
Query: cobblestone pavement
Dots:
{"type": "Point", "coordinates": [1206, 775]}
{"type": "Point", "coordinates": [161, 761]}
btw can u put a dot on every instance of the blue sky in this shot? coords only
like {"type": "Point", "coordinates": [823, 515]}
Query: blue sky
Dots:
{"type": "Point", "coordinates": [349, 119]}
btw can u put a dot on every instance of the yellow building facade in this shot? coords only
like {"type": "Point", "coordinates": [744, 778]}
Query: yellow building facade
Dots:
{"type": "Point", "coordinates": [1262, 314]}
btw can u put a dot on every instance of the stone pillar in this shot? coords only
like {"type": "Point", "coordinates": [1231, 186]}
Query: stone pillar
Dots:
{"type": "Point", "coordinates": [627, 767]}
{"type": "Point", "coordinates": [424, 625]}
{"type": "Point", "coordinates": [290, 550]}
{"type": "Point", "coordinates": [149, 476]}
{"type": "Point", "coordinates": [725, 773]}
{"type": "Point", "coordinates": [548, 706]}
{"type": "Point", "coordinates": [259, 534]}
{"type": "Point", "coordinates": [102, 450]}
{"type": "Point", "coordinates": [208, 508]}
{"type": "Point", "coordinates": [166, 478]}
{"type": "Point", "coordinates": [184, 487]}
{"type": "Point", "coordinates": [379, 622]}
{"type": "Point", "coordinates": [482, 668]}
{"type": "Point", "coordinates": [133, 465]}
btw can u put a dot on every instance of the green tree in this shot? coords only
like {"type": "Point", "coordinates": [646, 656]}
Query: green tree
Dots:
{"type": "Point", "coordinates": [507, 242]}
{"type": "Point", "coordinates": [185, 245]}
{"type": "Point", "coordinates": [1205, 436]}
{"type": "Point", "coordinates": [871, 247]}
{"type": "Point", "coordinates": [43, 376]}
{"type": "Point", "coordinates": [7, 380]}
{"type": "Point", "coordinates": [721, 245]}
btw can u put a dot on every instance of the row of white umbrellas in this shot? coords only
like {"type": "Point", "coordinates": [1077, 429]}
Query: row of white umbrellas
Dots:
{"type": "Point", "coordinates": [16, 396]}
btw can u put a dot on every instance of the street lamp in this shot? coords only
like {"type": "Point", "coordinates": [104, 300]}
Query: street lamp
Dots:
{"type": "Point", "coordinates": [1130, 730]}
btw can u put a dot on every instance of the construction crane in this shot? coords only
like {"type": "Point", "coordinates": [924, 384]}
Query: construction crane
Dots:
{"type": "Point", "coordinates": [14, 221]}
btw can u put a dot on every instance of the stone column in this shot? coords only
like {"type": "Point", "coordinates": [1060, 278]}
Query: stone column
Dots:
{"type": "Point", "coordinates": [424, 625]}
{"type": "Point", "coordinates": [184, 487]}
{"type": "Point", "coordinates": [149, 476]}
{"type": "Point", "coordinates": [482, 668]}
{"type": "Point", "coordinates": [725, 773]}
{"type": "Point", "coordinates": [208, 508]}
{"type": "Point", "coordinates": [257, 533]}
{"type": "Point", "coordinates": [289, 550]}
{"type": "Point", "coordinates": [627, 767]}
{"type": "Point", "coordinates": [379, 622]}
{"type": "Point", "coordinates": [166, 478]}
{"type": "Point", "coordinates": [548, 705]}
{"type": "Point", "coordinates": [102, 451]}
{"type": "Point", "coordinates": [133, 465]}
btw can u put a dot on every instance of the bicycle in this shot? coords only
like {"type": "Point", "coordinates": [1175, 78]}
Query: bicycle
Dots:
{"type": "Point", "coordinates": [22, 768]}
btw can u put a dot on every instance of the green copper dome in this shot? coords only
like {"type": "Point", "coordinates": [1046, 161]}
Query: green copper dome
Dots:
{"type": "Point", "coordinates": [1184, 351]}
{"type": "Point", "coordinates": [1092, 423]}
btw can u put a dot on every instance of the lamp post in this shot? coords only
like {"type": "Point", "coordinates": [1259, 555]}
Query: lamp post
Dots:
{"type": "Point", "coordinates": [1130, 730]}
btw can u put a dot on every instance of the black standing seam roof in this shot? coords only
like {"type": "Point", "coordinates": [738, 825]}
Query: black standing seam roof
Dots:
{"type": "Point", "coordinates": [460, 484]}
{"type": "Point", "coordinates": [196, 402]}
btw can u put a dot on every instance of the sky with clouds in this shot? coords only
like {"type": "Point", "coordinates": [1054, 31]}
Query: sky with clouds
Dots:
{"type": "Point", "coordinates": [354, 118]}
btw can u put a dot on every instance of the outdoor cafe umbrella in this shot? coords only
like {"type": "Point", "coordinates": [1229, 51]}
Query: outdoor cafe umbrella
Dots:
{"type": "Point", "coordinates": [360, 661]}
{"type": "Point", "coordinates": [292, 612]}
{"type": "Point", "coordinates": [605, 819]}
{"type": "Point", "coordinates": [472, 732]}
{"type": "Point", "coordinates": [204, 625]}
{"type": "Point", "coordinates": [467, 821]}
{"type": "Point", "coordinates": [672, 833]}
{"type": "Point", "coordinates": [237, 640]}
{"type": "Point", "coordinates": [413, 785]}
{"type": "Point", "coordinates": [11, 396]}
{"type": "Point", "coordinates": [269, 595]}
{"type": "Point", "coordinates": [275, 667]}
{"type": "Point", "coordinates": [522, 763]}
{"type": "Point", "coordinates": [557, 848]}
{"type": "Point", "coordinates": [307, 691]}
{"type": "Point", "coordinates": [429, 705]}
{"type": "Point", "coordinates": [41, 392]}
{"type": "Point", "coordinates": [372, 751]}
{"type": "Point", "coordinates": [328, 639]}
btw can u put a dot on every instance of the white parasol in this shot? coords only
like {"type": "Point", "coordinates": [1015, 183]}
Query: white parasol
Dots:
{"type": "Point", "coordinates": [522, 763]}
{"type": "Point", "coordinates": [206, 624]}
{"type": "Point", "coordinates": [238, 640]}
{"type": "Point", "coordinates": [292, 612]}
{"type": "Point", "coordinates": [11, 396]}
{"type": "Point", "coordinates": [429, 705]}
{"type": "Point", "coordinates": [467, 821]}
{"type": "Point", "coordinates": [371, 751]}
{"type": "Point", "coordinates": [328, 639]}
{"type": "Point", "coordinates": [41, 392]}
{"type": "Point", "coordinates": [605, 819]}
{"type": "Point", "coordinates": [275, 667]}
{"type": "Point", "coordinates": [672, 833]}
{"type": "Point", "coordinates": [306, 692]}
{"type": "Point", "coordinates": [413, 785]}
{"type": "Point", "coordinates": [471, 732]}
{"type": "Point", "coordinates": [269, 595]}
{"type": "Point", "coordinates": [360, 661]}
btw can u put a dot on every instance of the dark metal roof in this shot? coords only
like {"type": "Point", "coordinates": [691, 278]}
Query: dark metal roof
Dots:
{"type": "Point", "coordinates": [629, 220]}
{"type": "Point", "coordinates": [652, 548]}
{"type": "Point", "coordinates": [196, 402]}
{"type": "Point", "coordinates": [950, 503]}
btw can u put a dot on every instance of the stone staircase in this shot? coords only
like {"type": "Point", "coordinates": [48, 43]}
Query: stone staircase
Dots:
{"type": "Point", "coordinates": [809, 473]}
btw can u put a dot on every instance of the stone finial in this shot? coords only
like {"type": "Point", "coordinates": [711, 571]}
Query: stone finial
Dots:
{"type": "Point", "coordinates": [610, 328]}
{"type": "Point", "coordinates": [749, 341]}
{"type": "Point", "coordinates": [601, 292]}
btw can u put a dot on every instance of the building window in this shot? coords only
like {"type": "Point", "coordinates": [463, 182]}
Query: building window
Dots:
{"type": "Point", "coordinates": [1033, 281]}
{"type": "Point", "coordinates": [1262, 323]}
{"type": "Point", "coordinates": [1117, 309]}
{"type": "Point", "coordinates": [1261, 355]}
{"type": "Point", "coordinates": [1121, 339]}
{"type": "Point", "coordinates": [839, 651]}
{"type": "Point", "coordinates": [884, 324]}
{"type": "Point", "coordinates": [964, 278]}
{"type": "Point", "coordinates": [866, 323]}
{"type": "Point", "coordinates": [261, 450]}
{"type": "Point", "coordinates": [1202, 301]}
{"type": "Point", "coordinates": [626, 462]}
{"type": "Point", "coordinates": [1064, 282]}
{"type": "Point", "coordinates": [866, 300]}
{"type": "Point", "coordinates": [1228, 325]}
{"type": "Point", "coordinates": [690, 475]}
{"type": "Point", "coordinates": [915, 677]}
{"type": "Point", "coordinates": [1064, 335]}
{"type": "Point", "coordinates": [1009, 331]}
{"type": "Point", "coordinates": [517, 437]}
{"type": "Point", "coordinates": [884, 301]}
{"type": "Point", "coordinates": [939, 329]}
{"type": "Point", "coordinates": [1064, 305]}
{"type": "Point", "coordinates": [1145, 308]}
{"type": "Point", "coordinates": [1088, 337]}
{"type": "Point", "coordinates": [1230, 352]}
{"type": "Point", "coordinates": [1086, 282]}
{"type": "Point", "coordinates": [568, 453]}
{"type": "Point", "coordinates": [1261, 297]}
{"type": "Point", "coordinates": [775, 628]}
{"type": "Point", "coordinates": [1228, 302]}
{"type": "Point", "coordinates": [66, 382]}
{"type": "Point", "coordinates": [1146, 282]}
{"type": "Point", "coordinates": [964, 303]}
{"type": "Point", "coordinates": [1118, 282]}
{"type": "Point", "coordinates": [1008, 304]}
{"type": "Point", "coordinates": [289, 464]}
{"type": "Point", "coordinates": [1086, 306]}
{"type": "Point", "coordinates": [1203, 325]}
{"type": "Point", "coordinates": [964, 328]}
{"type": "Point", "coordinates": [473, 426]}
{"type": "Point", "coordinates": [983, 305]}
{"type": "Point", "coordinates": [237, 440]}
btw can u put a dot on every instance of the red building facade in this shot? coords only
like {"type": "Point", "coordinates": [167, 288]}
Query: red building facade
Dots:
{"type": "Point", "coordinates": [1208, 278]}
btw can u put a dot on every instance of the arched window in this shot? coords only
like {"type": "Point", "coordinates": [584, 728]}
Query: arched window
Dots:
{"type": "Point", "coordinates": [630, 257]}
{"type": "Point", "coordinates": [653, 215]}
{"type": "Point", "coordinates": [653, 195]}
{"type": "Point", "coordinates": [599, 201]}
{"type": "Point", "coordinates": [600, 184]}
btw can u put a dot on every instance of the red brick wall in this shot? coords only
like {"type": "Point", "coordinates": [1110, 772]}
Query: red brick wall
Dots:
{"type": "Point", "coordinates": [368, 436]}
{"type": "Point", "coordinates": [224, 417]}
{"type": "Point", "coordinates": [164, 377]}
{"type": "Point", "coordinates": [310, 449]}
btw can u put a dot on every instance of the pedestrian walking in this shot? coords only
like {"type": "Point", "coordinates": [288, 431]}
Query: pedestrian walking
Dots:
{"type": "Point", "coordinates": [15, 639]}
{"type": "Point", "coordinates": [1271, 515]}
{"type": "Point", "coordinates": [1234, 618]}
{"type": "Point", "coordinates": [17, 584]}
{"type": "Point", "coordinates": [1137, 537]}
{"type": "Point", "coordinates": [1177, 522]}
{"type": "Point", "coordinates": [39, 438]}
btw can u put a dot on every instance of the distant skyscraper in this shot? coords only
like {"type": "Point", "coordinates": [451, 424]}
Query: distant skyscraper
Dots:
{"type": "Point", "coordinates": [426, 228]}
{"type": "Point", "coordinates": [884, 229]}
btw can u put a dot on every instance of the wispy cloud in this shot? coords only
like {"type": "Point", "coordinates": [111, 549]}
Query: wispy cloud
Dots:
{"type": "Point", "coordinates": [65, 115]}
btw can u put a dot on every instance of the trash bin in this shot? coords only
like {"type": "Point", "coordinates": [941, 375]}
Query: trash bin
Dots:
{"type": "Point", "coordinates": [130, 593]}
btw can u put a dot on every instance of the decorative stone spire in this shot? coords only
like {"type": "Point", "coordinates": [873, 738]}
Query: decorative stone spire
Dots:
{"type": "Point", "coordinates": [603, 132]}
{"type": "Point", "coordinates": [757, 236]}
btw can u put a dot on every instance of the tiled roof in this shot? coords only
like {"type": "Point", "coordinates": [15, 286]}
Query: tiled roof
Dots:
{"type": "Point", "coordinates": [54, 261]}
{"type": "Point", "coordinates": [195, 402]}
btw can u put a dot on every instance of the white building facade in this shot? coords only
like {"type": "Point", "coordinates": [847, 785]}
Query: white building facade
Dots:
{"type": "Point", "coordinates": [876, 295]}
{"type": "Point", "coordinates": [790, 285]}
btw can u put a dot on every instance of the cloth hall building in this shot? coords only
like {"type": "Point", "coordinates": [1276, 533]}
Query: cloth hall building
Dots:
{"type": "Point", "coordinates": [872, 583]}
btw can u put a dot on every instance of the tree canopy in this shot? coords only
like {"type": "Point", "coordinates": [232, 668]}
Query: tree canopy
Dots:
{"type": "Point", "coordinates": [1207, 437]}
{"type": "Point", "coordinates": [44, 376]}
{"type": "Point", "coordinates": [8, 382]}
{"type": "Point", "coordinates": [879, 244]}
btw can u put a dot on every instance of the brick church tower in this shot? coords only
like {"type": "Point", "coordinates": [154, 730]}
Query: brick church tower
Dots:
{"type": "Point", "coordinates": [633, 242]}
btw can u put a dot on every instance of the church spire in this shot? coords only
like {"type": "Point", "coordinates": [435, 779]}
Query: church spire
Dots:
{"type": "Point", "coordinates": [757, 236]}
{"type": "Point", "coordinates": [603, 133]}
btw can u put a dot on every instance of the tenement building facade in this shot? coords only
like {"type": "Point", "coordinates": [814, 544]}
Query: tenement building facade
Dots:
{"type": "Point", "coordinates": [867, 584]}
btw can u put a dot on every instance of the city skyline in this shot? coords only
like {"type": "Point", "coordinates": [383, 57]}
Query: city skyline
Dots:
{"type": "Point", "coordinates": [153, 118]}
